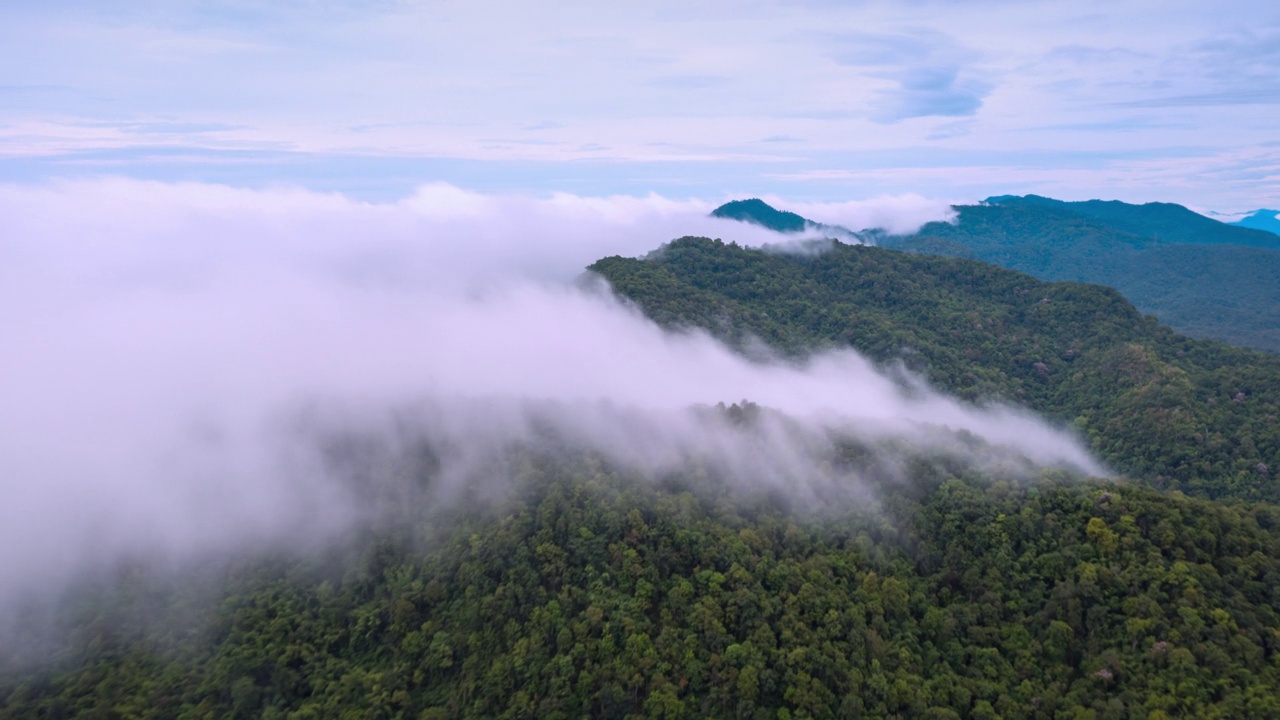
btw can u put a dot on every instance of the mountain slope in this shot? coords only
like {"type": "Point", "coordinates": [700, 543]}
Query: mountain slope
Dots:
{"type": "Point", "coordinates": [1203, 277]}
{"type": "Point", "coordinates": [758, 212]}
{"type": "Point", "coordinates": [589, 592]}
{"type": "Point", "coordinates": [1207, 289]}
{"type": "Point", "coordinates": [598, 597]}
{"type": "Point", "coordinates": [1194, 415]}
{"type": "Point", "coordinates": [761, 213]}
{"type": "Point", "coordinates": [1167, 222]}
{"type": "Point", "coordinates": [1268, 220]}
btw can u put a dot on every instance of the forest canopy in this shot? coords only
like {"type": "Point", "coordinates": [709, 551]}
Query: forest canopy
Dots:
{"type": "Point", "coordinates": [951, 591]}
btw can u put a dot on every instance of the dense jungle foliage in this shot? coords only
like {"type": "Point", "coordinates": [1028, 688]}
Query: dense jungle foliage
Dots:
{"type": "Point", "coordinates": [943, 592]}
{"type": "Point", "coordinates": [596, 595]}
{"type": "Point", "coordinates": [1193, 415]}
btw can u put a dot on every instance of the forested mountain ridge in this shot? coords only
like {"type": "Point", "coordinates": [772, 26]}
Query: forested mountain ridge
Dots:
{"type": "Point", "coordinates": [1167, 222]}
{"type": "Point", "coordinates": [591, 592]}
{"type": "Point", "coordinates": [1202, 277]}
{"type": "Point", "coordinates": [1186, 414]}
{"type": "Point", "coordinates": [597, 596]}
{"type": "Point", "coordinates": [1206, 289]}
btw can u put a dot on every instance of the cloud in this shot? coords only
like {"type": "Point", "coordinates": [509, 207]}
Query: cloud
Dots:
{"type": "Point", "coordinates": [181, 358]}
{"type": "Point", "coordinates": [1240, 96]}
{"type": "Point", "coordinates": [346, 95]}
{"type": "Point", "coordinates": [928, 67]}
{"type": "Point", "coordinates": [1249, 55]}
{"type": "Point", "coordinates": [689, 82]}
{"type": "Point", "coordinates": [899, 214]}
{"type": "Point", "coordinates": [931, 91]}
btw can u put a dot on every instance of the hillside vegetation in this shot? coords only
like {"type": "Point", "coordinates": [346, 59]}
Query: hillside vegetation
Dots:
{"type": "Point", "coordinates": [943, 591]}
{"type": "Point", "coordinates": [1200, 276]}
{"type": "Point", "coordinates": [1186, 414]}
{"type": "Point", "coordinates": [1166, 222]}
{"type": "Point", "coordinates": [1204, 278]}
{"type": "Point", "coordinates": [595, 596]}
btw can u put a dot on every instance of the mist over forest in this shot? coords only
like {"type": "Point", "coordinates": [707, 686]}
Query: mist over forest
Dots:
{"type": "Point", "coordinates": [195, 344]}
{"type": "Point", "coordinates": [283, 453]}
{"type": "Point", "coordinates": [654, 361]}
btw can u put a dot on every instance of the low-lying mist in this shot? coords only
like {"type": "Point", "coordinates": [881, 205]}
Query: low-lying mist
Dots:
{"type": "Point", "coordinates": [180, 360]}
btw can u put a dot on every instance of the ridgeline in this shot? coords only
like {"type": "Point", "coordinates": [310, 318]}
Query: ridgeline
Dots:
{"type": "Point", "coordinates": [591, 593]}
{"type": "Point", "coordinates": [1202, 277]}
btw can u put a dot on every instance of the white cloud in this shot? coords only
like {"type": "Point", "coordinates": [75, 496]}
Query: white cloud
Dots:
{"type": "Point", "coordinates": [163, 343]}
{"type": "Point", "coordinates": [899, 214]}
{"type": "Point", "coordinates": [650, 83]}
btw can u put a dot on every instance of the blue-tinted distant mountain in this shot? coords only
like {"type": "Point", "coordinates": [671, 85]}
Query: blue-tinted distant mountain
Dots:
{"type": "Point", "coordinates": [1203, 277]}
{"type": "Point", "coordinates": [1162, 221]}
{"type": "Point", "coordinates": [759, 212]}
{"type": "Point", "coordinates": [1267, 220]}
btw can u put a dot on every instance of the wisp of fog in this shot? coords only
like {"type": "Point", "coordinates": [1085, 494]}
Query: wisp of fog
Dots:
{"type": "Point", "coordinates": [172, 353]}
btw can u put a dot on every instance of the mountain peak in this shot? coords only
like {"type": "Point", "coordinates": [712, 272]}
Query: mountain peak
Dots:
{"type": "Point", "coordinates": [759, 212]}
{"type": "Point", "coordinates": [1265, 220]}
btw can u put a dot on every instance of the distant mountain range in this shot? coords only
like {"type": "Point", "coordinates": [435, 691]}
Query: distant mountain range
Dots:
{"type": "Point", "coordinates": [1203, 277]}
{"type": "Point", "coordinates": [1161, 221]}
{"type": "Point", "coordinates": [1268, 220]}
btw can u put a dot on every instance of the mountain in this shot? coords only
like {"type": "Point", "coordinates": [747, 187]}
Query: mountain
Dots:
{"type": "Point", "coordinates": [1205, 288]}
{"type": "Point", "coordinates": [1203, 277]}
{"type": "Point", "coordinates": [1167, 222]}
{"type": "Point", "coordinates": [947, 591]}
{"type": "Point", "coordinates": [761, 213]}
{"type": "Point", "coordinates": [1198, 416]}
{"type": "Point", "coordinates": [1268, 220]}
{"type": "Point", "coordinates": [758, 212]}
{"type": "Point", "coordinates": [597, 596]}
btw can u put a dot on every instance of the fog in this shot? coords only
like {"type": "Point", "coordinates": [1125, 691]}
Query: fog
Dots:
{"type": "Point", "coordinates": [176, 356]}
{"type": "Point", "coordinates": [896, 214]}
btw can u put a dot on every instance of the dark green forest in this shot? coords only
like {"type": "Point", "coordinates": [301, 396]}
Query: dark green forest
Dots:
{"type": "Point", "coordinates": [949, 592]}
{"type": "Point", "coordinates": [761, 213]}
{"type": "Point", "coordinates": [1203, 278]}
{"type": "Point", "coordinates": [598, 596]}
{"type": "Point", "coordinates": [1194, 415]}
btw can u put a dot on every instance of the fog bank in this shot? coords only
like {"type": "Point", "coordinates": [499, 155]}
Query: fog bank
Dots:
{"type": "Point", "coordinates": [174, 353]}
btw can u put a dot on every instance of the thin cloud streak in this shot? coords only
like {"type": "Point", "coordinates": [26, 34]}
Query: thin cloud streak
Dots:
{"type": "Point", "coordinates": [638, 84]}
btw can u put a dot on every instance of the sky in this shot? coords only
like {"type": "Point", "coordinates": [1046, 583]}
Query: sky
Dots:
{"type": "Point", "coordinates": [807, 100]}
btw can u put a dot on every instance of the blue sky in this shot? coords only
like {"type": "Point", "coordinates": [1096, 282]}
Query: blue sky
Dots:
{"type": "Point", "coordinates": [815, 101]}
